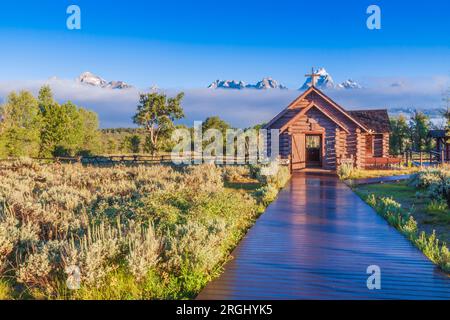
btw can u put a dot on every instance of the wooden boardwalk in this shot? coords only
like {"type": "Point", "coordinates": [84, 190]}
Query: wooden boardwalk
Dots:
{"type": "Point", "coordinates": [316, 242]}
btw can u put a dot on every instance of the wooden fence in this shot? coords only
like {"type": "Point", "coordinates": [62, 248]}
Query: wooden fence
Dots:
{"type": "Point", "coordinates": [140, 160]}
{"type": "Point", "coordinates": [421, 158]}
{"type": "Point", "coordinates": [383, 163]}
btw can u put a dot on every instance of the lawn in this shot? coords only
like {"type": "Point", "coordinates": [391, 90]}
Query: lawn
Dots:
{"type": "Point", "coordinates": [156, 232]}
{"type": "Point", "coordinates": [418, 208]}
{"type": "Point", "coordinates": [356, 174]}
{"type": "Point", "coordinates": [429, 217]}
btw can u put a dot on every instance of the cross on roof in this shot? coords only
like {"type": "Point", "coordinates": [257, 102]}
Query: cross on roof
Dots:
{"type": "Point", "coordinates": [313, 76]}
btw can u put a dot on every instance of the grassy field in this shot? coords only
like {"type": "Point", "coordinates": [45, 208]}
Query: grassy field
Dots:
{"type": "Point", "coordinates": [123, 232]}
{"type": "Point", "coordinates": [355, 174]}
{"type": "Point", "coordinates": [419, 209]}
{"type": "Point", "coordinates": [430, 215]}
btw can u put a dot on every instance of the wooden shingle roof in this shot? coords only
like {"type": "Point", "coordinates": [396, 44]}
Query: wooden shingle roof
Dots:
{"type": "Point", "coordinates": [376, 120]}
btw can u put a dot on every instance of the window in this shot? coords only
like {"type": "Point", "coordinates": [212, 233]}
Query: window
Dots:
{"type": "Point", "coordinates": [313, 142]}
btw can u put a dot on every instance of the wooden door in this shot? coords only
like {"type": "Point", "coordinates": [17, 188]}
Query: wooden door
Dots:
{"type": "Point", "coordinates": [298, 151]}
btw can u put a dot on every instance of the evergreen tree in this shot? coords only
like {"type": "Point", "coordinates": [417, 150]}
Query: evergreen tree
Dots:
{"type": "Point", "coordinates": [419, 131]}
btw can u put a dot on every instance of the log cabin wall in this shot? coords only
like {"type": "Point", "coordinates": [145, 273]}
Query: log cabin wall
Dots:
{"type": "Point", "coordinates": [344, 134]}
{"type": "Point", "coordinates": [378, 145]}
{"type": "Point", "coordinates": [385, 146]}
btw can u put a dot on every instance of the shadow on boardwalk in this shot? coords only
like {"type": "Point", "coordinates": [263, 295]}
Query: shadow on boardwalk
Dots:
{"type": "Point", "coordinates": [316, 242]}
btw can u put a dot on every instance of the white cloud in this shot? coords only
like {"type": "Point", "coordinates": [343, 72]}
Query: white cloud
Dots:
{"type": "Point", "coordinates": [240, 108]}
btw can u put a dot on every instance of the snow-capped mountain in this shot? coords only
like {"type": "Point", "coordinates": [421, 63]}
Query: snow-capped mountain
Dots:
{"type": "Point", "coordinates": [118, 85]}
{"type": "Point", "coordinates": [325, 81]}
{"type": "Point", "coordinates": [266, 83]}
{"type": "Point", "coordinates": [227, 84]}
{"type": "Point", "coordinates": [349, 84]}
{"type": "Point", "coordinates": [93, 80]}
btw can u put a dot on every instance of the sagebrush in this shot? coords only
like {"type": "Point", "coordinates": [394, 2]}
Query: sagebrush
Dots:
{"type": "Point", "coordinates": [133, 232]}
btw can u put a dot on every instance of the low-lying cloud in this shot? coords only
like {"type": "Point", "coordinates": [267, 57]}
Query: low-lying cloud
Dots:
{"type": "Point", "coordinates": [242, 108]}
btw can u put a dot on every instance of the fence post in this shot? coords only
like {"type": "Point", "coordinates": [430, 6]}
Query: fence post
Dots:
{"type": "Point", "coordinates": [420, 158]}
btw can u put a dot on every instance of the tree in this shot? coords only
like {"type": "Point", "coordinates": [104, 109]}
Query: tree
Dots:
{"type": "Point", "coordinates": [66, 129]}
{"type": "Point", "coordinates": [446, 100]}
{"type": "Point", "coordinates": [19, 126]}
{"type": "Point", "coordinates": [90, 140]}
{"type": "Point", "coordinates": [419, 128]}
{"type": "Point", "coordinates": [156, 113]}
{"type": "Point", "coordinates": [133, 143]}
{"type": "Point", "coordinates": [216, 123]}
{"type": "Point", "coordinates": [400, 135]}
{"type": "Point", "coordinates": [62, 129]}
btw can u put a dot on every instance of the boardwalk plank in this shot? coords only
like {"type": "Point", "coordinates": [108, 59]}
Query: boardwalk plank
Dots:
{"type": "Point", "coordinates": [316, 242]}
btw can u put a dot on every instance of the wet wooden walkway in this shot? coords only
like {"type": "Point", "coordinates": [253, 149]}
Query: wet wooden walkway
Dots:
{"type": "Point", "coordinates": [316, 242]}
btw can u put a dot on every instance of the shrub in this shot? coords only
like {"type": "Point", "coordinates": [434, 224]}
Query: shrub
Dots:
{"type": "Point", "coordinates": [133, 232]}
{"type": "Point", "coordinates": [236, 173]}
{"type": "Point", "coordinates": [266, 194]}
{"type": "Point", "coordinates": [345, 170]}
{"type": "Point", "coordinates": [433, 249]}
{"type": "Point", "coordinates": [436, 182]}
{"type": "Point", "coordinates": [36, 270]}
{"type": "Point", "coordinates": [437, 206]}
{"type": "Point", "coordinates": [144, 250]}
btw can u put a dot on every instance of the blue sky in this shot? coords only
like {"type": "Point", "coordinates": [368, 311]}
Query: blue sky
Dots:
{"type": "Point", "coordinates": [191, 43]}
{"type": "Point", "coordinates": [188, 44]}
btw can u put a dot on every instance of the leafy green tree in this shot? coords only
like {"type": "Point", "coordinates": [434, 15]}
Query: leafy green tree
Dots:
{"type": "Point", "coordinates": [216, 123]}
{"type": "Point", "coordinates": [90, 141]}
{"type": "Point", "coordinates": [19, 126]}
{"type": "Point", "coordinates": [400, 135]}
{"type": "Point", "coordinates": [62, 131]}
{"type": "Point", "coordinates": [419, 128]}
{"type": "Point", "coordinates": [156, 113]}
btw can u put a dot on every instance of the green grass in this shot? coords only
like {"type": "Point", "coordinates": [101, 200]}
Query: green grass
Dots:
{"type": "Point", "coordinates": [367, 174]}
{"type": "Point", "coordinates": [430, 215]}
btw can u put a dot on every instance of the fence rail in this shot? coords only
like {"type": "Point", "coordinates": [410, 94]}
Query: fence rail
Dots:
{"type": "Point", "coordinates": [140, 160]}
{"type": "Point", "coordinates": [422, 158]}
{"type": "Point", "coordinates": [382, 163]}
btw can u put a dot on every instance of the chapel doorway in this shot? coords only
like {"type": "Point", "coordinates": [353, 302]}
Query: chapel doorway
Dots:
{"type": "Point", "coordinates": [313, 150]}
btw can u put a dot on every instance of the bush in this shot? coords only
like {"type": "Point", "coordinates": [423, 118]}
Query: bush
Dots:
{"type": "Point", "coordinates": [345, 171]}
{"type": "Point", "coordinates": [236, 173]}
{"type": "Point", "coordinates": [436, 182]}
{"type": "Point", "coordinates": [266, 194]}
{"type": "Point", "coordinates": [133, 232]}
{"type": "Point", "coordinates": [437, 206]}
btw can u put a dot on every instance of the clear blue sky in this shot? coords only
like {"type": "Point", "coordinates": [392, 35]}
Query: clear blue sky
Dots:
{"type": "Point", "coordinates": [191, 43]}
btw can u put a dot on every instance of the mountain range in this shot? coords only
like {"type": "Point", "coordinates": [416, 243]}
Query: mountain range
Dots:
{"type": "Point", "coordinates": [264, 84]}
{"type": "Point", "coordinates": [91, 79]}
{"type": "Point", "coordinates": [324, 81]}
